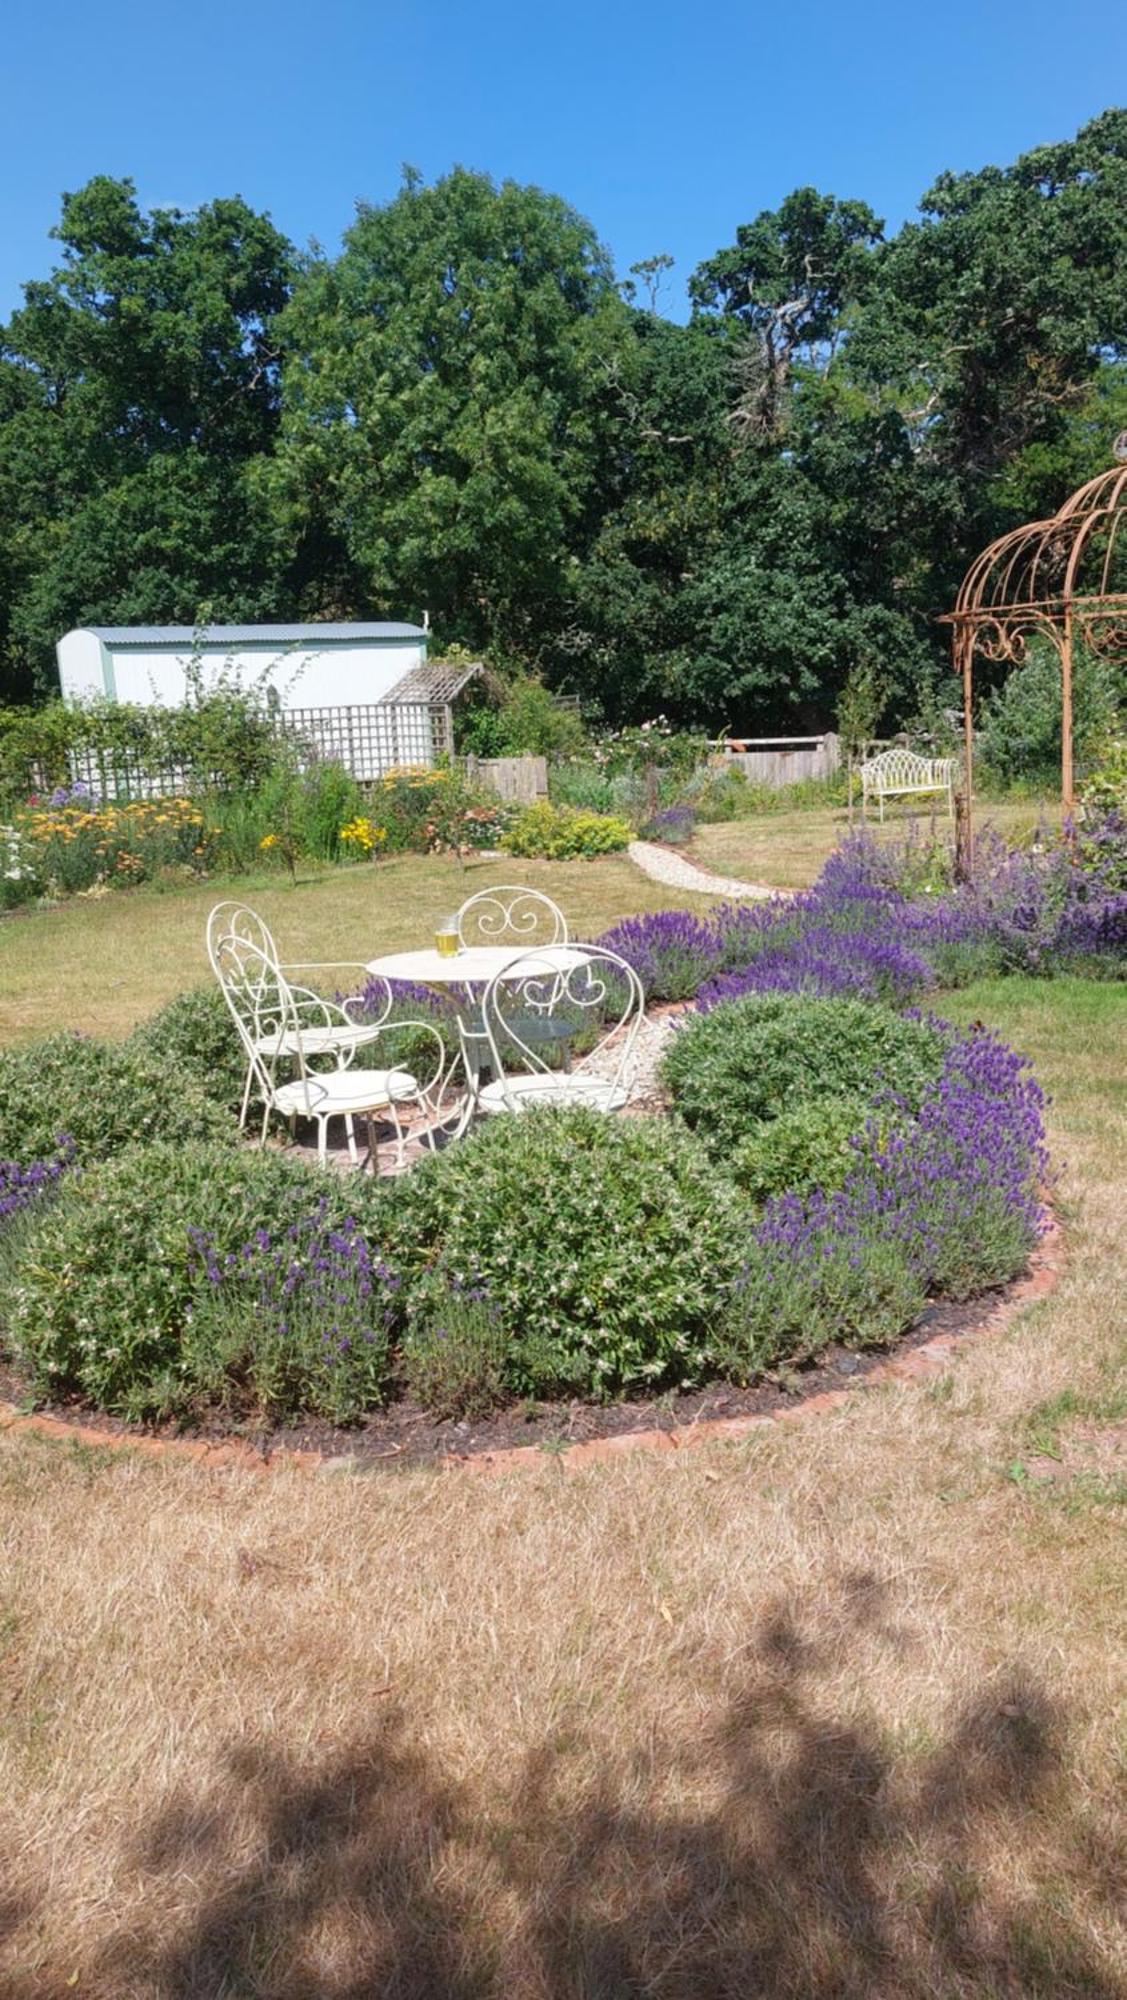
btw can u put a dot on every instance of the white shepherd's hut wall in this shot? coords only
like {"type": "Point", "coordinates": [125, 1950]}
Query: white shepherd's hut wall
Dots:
{"type": "Point", "coordinates": [309, 666]}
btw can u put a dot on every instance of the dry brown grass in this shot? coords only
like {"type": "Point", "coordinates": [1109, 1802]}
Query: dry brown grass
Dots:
{"type": "Point", "coordinates": [787, 850]}
{"type": "Point", "coordinates": [835, 1712]}
{"type": "Point", "coordinates": [103, 965]}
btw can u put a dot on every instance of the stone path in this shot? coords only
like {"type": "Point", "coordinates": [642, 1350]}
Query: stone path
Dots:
{"type": "Point", "coordinates": [664, 866]}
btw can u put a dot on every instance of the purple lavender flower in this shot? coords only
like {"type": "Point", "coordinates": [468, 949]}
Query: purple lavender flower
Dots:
{"type": "Point", "coordinates": [20, 1187]}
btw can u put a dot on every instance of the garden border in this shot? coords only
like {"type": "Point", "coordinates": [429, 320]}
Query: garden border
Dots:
{"type": "Point", "coordinates": [930, 1359]}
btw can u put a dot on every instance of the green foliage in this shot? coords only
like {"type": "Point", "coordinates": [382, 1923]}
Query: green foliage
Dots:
{"type": "Point", "coordinates": [455, 444]}
{"type": "Point", "coordinates": [453, 1353]}
{"type": "Point", "coordinates": [140, 386]}
{"type": "Point", "coordinates": [560, 833]}
{"type": "Point", "coordinates": [192, 1039]}
{"type": "Point", "coordinates": [103, 1095]}
{"type": "Point", "coordinates": [765, 1054]}
{"type": "Point", "coordinates": [102, 1301]}
{"type": "Point", "coordinates": [1020, 735]}
{"type": "Point", "coordinates": [811, 1146]}
{"type": "Point", "coordinates": [597, 1242]}
{"type": "Point", "coordinates": [528, 722]}
{"type": "Point", "coordinates": [739, 521]}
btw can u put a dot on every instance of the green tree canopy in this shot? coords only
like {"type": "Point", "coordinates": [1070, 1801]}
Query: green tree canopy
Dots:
{"type": "Point", "coordinates": [445, 387]}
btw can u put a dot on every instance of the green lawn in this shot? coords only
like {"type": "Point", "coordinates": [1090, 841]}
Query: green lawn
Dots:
{"type": "Point", "coordinates": [102, 964]}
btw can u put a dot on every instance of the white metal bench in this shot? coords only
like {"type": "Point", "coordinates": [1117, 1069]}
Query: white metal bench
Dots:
{"type": "Point", "coordinates": [897, 774]}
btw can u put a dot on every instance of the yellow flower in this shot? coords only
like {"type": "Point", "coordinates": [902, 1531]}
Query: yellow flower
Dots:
{"type": "Point", "coordinates": [270, 840]}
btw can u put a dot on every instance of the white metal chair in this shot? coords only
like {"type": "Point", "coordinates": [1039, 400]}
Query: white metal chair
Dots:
{"type": "Point", "coordinates": [601, 991]}
{"type": "Point", "coordinates": [276, 1020]}
{"type": "Point", "coordinates": [236, 934]}
{"type": "Point", "coordinates": [511, 915]}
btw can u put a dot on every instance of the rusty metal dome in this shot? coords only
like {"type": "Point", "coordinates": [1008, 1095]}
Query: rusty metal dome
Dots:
{"type": "Point", "coordinates": [1064, 578]}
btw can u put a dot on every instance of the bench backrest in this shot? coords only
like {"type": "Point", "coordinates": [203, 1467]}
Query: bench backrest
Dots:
{"type": "Point", "coordinates": [904, 767]}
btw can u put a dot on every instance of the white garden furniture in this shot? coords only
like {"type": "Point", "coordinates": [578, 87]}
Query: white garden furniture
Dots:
{"type": "Point", "coordinates": [900, 773]}
{"type": "Point", "coordinates": [276, 1020]}
{"type": "Point", "coordinates": [530, 994]}
{"type": "Point", "coordinates": [511, 915]}
{"type": "Point", "coordinates": [465, 977]}
{"type": "Point", "coordinates": [235, 933]}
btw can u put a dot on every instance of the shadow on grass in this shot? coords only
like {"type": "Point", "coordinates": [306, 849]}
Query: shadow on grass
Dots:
{"type": "Point", "coordinates": [811, 1861]}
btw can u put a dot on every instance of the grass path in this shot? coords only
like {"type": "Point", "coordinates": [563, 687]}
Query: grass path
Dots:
{"type": "Point", "coordinates": [819, 1714]}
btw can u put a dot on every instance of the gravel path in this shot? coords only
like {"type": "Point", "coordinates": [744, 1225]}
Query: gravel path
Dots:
{"type": "Point", "coordinates": [654, 1034]}
{"type": "Point", "coordinates": [665, 866]}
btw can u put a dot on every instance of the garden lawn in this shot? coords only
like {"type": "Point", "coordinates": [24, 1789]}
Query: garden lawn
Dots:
{"type": "Point", "coordinates": [787, 850]}
{"type": "Point", "coordinates": [102, 964]}
{"type": "Point", "coordinates": [838, 1710]}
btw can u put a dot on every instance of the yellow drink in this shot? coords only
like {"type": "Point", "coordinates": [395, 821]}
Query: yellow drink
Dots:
{"type": "Point", "coordinates": [447, 942]}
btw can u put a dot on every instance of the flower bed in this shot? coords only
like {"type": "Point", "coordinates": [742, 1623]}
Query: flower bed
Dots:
{"type": "Point", "coordinates": [828, 1166]}
{"type": "Point", "coordinates": [874, 928]}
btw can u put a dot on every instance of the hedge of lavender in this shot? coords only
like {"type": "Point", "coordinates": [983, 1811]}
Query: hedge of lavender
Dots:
{"type": "Point", "coordinates": [869, 929]}
{"type": "Point", "coordinates": [944, 1203]}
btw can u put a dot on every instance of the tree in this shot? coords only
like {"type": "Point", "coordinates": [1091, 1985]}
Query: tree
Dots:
{"type": "Point", "coordinates": [787, 280]}
{"type": "Point", "coordinates": [445, 387]}
{"type": "Point", "coordinates": [137, 385]}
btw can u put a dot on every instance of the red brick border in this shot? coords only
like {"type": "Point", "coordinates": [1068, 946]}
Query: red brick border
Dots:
{"type": "Point", "coordinates": [919, 1363]}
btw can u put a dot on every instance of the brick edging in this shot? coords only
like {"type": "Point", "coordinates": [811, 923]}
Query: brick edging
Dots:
{"type": "Point", "coordinates": [931, 1358]}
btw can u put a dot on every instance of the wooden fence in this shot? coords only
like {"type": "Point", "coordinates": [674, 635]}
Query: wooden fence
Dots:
{"type": "Point", "coordinates": [518, 780]}
{"type": "Point", "coordinates": [783, 760]}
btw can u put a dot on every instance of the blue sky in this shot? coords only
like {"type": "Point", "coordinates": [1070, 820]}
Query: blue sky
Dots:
{"type": "Point", "coordinates": [668, 124]}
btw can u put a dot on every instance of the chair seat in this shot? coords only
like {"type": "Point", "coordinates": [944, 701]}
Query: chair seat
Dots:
{"type": "Point", "coordinates": [316, 1042]}
{"type": "Point", "coordinates": [524, 1093]}
{"type": "Point", "coordinates": [338, 1091]}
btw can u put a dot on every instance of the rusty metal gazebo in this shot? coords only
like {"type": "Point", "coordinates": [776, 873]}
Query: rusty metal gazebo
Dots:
{"type": "Point", "coordinates": [1063, 579]}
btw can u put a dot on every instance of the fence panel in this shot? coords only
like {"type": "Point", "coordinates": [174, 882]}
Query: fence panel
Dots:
{"type": "Point", "coordinates": [517, 780]}
{"type": "Point", "coordinates": [784, 760]}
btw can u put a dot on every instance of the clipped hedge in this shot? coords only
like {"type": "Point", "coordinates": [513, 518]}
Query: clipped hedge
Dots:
{"type": "Point", "coordinates": [110, 1270]}
{"type": "Point", "coordinates": [766, 1054]}
{"type": "Point", "coordinates": [601, 1243]}
{"type": "Point", "coordinates": [104, 1096]}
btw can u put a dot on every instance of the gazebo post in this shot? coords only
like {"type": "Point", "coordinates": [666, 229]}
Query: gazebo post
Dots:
{"type": "Point", "coordinates": [965, 640]}
{"type": "Point", "coordinates": [1066, 795]}
{"type": "Point", "coordinates": [1063, 579]}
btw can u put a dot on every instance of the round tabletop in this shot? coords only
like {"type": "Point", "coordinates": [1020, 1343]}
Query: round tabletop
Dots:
{"type": "Point", "coordinates": [476, 964]}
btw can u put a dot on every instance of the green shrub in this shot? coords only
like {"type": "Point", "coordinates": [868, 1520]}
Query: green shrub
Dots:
{"type": "Point", "coordinates": [103, 1095]}
{"type": "Point", "coordinates": [110, 1270]}
{"type": "Point", "coordinates": [597, 1241]}
{"type": "Point", "coordinates": [1020, 738]}
{"type": "Point", "coordinates": [296, 1321]}
{"type": "Point", "coordinates": [454, 1352]}
{"type": "Point", "coordinates": [194, 1039]}
{"type": "Point", "coordinates": [764, 1054]}
{"type": "Point", "coordinates": [558, 833]}
{"type": "Point", "coordinates": [810, 1146]}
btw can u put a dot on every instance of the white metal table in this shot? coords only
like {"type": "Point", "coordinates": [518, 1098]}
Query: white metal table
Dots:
{"type": "Point", "coordinates": [471, 969]}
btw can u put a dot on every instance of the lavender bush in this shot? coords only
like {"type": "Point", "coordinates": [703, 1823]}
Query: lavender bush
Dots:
{"type": "Point", "coordinates": [672, 952]}
{"type": "Point", "coordinates": [875, 927]}
{"type": "Point", "coordinates": [946, 1202]}
{"type": "Point", "coordinates": [293, 1321]}
{"type": "Point", "coordinates": [20, 1187]}
{"type": "Point", "coordinates": [24, 1191]}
